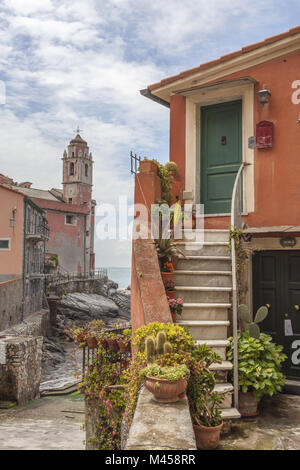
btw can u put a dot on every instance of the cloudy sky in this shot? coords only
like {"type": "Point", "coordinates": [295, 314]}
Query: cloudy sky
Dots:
{"type": "Point", "coordinates": [68, 63]}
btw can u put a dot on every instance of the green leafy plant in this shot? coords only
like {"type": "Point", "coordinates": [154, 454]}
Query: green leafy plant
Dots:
{"type": "Point", "coordinates": [174, 373]}
{"type": "Point", "coordinates": [105, 394]}
{"type": "Point", "coordinates": [259, 364]}
{"type": "Point", "coordinates": [180, 339]}
{"type": "Point", "coordinates": [204, 402]}
{"type": "Point", "coordinates": [245, 316]}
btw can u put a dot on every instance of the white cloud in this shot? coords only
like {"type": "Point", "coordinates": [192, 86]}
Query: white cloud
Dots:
{"type": "Point", "coordinates": [72, 62]}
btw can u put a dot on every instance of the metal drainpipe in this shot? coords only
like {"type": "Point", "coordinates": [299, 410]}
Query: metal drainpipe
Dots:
{"type": "Point", "coordinates": [24, 255]}
{"type": "Point", "coordinates": [84, 246]}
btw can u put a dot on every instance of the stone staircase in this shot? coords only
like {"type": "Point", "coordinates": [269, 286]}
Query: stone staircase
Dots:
{"type": "Point", "coordinates": [203, 280]}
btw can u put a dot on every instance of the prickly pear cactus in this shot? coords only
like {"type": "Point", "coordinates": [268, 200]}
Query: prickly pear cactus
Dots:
{"type": "Point", "coordinates": [245, 316]}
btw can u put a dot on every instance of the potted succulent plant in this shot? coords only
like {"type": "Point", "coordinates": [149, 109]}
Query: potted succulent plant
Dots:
{"type": "Point", "coordinates": [166, 383]}
{"type": "Point", "coordinates": [204, 402]}
{"type": "Point", "coordinates": [259, 362]}
{"type": "Point", "coordinates": [176, 306]}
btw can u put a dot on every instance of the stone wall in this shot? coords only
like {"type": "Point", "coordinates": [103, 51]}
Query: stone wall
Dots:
{"type": "Point", "coordinates": [161, 426]}
{"type": "Point", "coordinates": [11, 296]}
{"type": "Point", "coordinates": [89, 286]}
{"type": "Point", "coordinates": [20, 368]}
{"type": "Point", "coordinates": [37, 324]}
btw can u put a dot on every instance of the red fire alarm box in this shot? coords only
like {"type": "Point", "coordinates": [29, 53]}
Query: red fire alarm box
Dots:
{"type": "Point", "coordinates": [264, 135]}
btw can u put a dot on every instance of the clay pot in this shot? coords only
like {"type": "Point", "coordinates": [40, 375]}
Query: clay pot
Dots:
{"type": "Point", "coordinates": [166, 277]}
{"type": "Point", "coordinates": [171, 294]}
{"type": "Point", "coordinates": [103, 343]}
{"type": "Point", "coordinates": [92, 342]}
{"type": "Point", "coordinates": [112, 344]}
{"type": "Point", "coordinates": [124, 347]}
{"type": "Point", "coordinates": [247, 404]}
{"type": "Point", "coordinates": [80, 338]}
{"type": "Point", "coordinates": [207, 438]}
{"type": "Point", "coordinates": [165, 391]}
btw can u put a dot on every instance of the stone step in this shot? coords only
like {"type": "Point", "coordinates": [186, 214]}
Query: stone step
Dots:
{"type": "Point", "coordinates": [230, 413]}
{"type": "Point", "coordinates": [203, 248]}
{"type": "Point", "coordinates": [203, 278]}
{"type": "Point", "coordinates": [219, 346]}
{"type": "Point", "coordinates": [224, 366]}
{"type": "Point", "coordinates": [204, 263]}
{"type": "Point", "coordinates": [205, 311]}
{"type": "Point", "coordinates": [206, 329]}
{"type": "Point", "coordinates": [226, 390]}
{"type": "Point", "coordinates": [210, 235]}
{"type": "Point", "coordinates": [206, 294]}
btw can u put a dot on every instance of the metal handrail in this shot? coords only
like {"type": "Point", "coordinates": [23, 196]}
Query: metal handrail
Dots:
{"type": "Point", "coordinates": [236, 223]}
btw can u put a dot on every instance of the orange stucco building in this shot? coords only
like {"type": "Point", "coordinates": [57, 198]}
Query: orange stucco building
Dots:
{"type": "Point", "coordinates": [242, 112]}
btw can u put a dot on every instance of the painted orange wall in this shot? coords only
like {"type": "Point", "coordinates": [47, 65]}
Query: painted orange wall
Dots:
{"type": "Point", "coordinates": [11, 262]}
{"type": "Point", "coordinates": [276, 170]}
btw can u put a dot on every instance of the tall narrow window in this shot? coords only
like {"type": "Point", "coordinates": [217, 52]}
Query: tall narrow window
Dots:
{"type": "Point", "coordinates": [71, 168]}
{"type": "Point", "coordinates": [86, 170]}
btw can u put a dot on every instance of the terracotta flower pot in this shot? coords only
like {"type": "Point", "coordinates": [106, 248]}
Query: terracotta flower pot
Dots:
{"type": "Point", "coordinates": [171, 294]}
{"type": "Point", "coordinates": [248, 404]}
{"type": "Point", "coordinates": [124, 347]}
{"type": "Point", "coordinates": [80, 338]}
{"type": "Point", "coordinates": [207, 438]}
{"type": "Point", "coordinates": [166, 277]}
{"type": "Point", "coordinates": [113, 345]}
{"type": "Point", "coordinates": [103, 343]}
{"type": "Point", "coordinates": [92, 342]}
{"type": "Point", "coordinates": [165, 391]}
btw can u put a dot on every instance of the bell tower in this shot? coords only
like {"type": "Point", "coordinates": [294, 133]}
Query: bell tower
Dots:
{"type": "Point", "coordinates": [77, 172]}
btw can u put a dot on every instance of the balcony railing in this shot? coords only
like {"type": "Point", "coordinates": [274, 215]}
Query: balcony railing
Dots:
{"type": "Point", "coordinates": [37, 230]}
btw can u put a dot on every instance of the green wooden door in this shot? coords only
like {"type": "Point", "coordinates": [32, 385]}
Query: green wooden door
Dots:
{"type": "Point", "coordinates": [221, 154]}
{"type": "Point", "coordinates": [276, 281]}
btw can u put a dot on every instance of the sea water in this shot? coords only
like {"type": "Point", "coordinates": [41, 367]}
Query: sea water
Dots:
{"type": "Point", "coordinates": [121, 276]}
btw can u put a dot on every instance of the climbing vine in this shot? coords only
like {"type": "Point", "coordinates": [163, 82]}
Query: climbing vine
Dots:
{"type": "Point", "coordinates": [242, 256]}
{"type": "Point", "coordinates": [103, 387]}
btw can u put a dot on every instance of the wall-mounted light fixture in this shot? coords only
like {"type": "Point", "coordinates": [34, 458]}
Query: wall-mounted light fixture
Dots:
{"type": "Point", "coordinates": [263, 95]}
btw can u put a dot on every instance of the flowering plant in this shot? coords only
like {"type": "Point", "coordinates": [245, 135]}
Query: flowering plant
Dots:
{"type": "Point", "coordinates": [168, 268]}
{"type": "Point", "coordinates": [170, 285]}
{"type": "Point", "coordinates": [176, 305]}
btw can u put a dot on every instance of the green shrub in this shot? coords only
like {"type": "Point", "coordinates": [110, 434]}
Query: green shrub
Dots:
{"type": "Point", "coordinates": [259, 364]}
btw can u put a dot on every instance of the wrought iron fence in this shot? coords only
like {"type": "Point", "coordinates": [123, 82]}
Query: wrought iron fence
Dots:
{"type": "Point", "coordinates": [59, 278]}
{"type": "Point", "coordinates": [89, 355]}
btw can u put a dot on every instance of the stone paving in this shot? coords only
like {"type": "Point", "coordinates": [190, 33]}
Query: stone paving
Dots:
{"type": "Point", "coordinates": [276, 428]}
{"type": "Point", "coordinates": [51, 423]}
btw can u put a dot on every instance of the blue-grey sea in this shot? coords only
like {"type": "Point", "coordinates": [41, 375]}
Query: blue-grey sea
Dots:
{"type": "Point", "coordinates": [120, 275]}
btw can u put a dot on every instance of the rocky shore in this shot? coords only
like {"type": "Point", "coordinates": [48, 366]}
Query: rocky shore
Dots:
{"type": "Point", "coordinates": [62, 358]}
